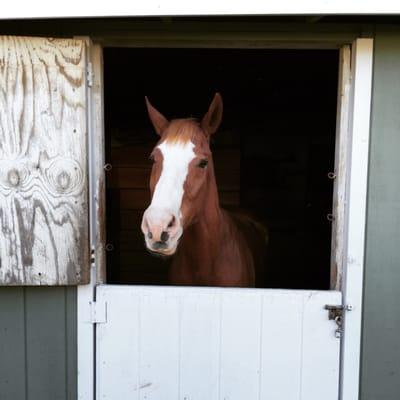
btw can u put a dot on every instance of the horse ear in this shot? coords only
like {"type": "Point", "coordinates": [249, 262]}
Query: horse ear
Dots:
{"type": "Point", "coordinates": [157, 119]}
{"type": "Point", "coordinates": [213, 117]}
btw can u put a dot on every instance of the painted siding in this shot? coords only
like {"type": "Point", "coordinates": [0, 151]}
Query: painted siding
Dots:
{"type": "Point", "coordinates": [380, 377]}
{"type": "Point", "coordinates": [38, 343]}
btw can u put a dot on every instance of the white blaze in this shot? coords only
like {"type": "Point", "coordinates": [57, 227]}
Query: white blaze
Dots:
{"type": "Point", "coordinates": [169, 191]}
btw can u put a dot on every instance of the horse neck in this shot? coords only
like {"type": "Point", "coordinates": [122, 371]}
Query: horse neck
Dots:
{"type": "Point", "coordinates": [205, 233]}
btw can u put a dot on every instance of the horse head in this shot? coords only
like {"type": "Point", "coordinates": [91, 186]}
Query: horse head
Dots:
{"type": "Point", "coordinates": [182, 177]}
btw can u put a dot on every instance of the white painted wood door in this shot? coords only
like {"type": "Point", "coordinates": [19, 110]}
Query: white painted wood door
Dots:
{"type": "Point", "coordinates": [185, 343]}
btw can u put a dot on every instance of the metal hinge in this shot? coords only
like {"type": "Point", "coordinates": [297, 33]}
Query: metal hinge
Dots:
{"type": "Point", "coordinates": [335, 313]}
{"type": "Point", "coordinates": [98, 312]}
{"type": "Point", "coordinates": [89, 74]}
{"type": "Point", "coordinates": [93, 256]}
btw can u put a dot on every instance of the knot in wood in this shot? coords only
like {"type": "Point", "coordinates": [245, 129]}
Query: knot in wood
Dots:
{"type": "Point", "coordinates": [63, 180]}
{"type": "Point", "coordinates": [13, 177]}
{"type": "Point", "coordinates": [64, 175]}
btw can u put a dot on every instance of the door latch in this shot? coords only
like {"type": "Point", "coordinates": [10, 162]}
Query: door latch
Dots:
{"type": "Point", "coordinates": [335, 313]}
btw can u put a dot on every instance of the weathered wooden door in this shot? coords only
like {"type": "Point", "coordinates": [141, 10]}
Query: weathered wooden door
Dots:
{"type": "Point", "coordinates": [43, 162]}
{"type": "Point", "coordinates": [186, 343]}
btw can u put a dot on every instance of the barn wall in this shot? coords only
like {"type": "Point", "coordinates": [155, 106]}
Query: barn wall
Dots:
{"type": "Point", "coordinates": [38, 343]}
{"type": "Point", "coordinates": [38, 325]}
{"type": "Point", "coordinates": [380, 376]}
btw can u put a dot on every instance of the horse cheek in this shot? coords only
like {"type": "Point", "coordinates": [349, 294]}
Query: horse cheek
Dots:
{"type": "Point", "coordinates": [186, 218]}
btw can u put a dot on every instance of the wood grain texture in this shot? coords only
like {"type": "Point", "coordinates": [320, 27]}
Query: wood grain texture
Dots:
{"type": "Point", "coordinates": [43, 164]}
{"type": "Point", "coordinates": [341, 167]}
{"type": "Point", "coordinates": [98, 143]}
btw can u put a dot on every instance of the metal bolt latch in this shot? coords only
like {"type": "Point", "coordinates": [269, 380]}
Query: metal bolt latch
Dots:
{"type": "Point", "coordinates": [335, 313]}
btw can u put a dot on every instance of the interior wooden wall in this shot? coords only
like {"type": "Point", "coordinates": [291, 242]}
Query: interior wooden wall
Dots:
{"type": "Point", "coordinates": [273, 150]}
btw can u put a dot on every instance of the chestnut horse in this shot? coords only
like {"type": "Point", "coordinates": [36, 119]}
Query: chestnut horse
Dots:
{"type": "Point", "coordinates": [210, 246]}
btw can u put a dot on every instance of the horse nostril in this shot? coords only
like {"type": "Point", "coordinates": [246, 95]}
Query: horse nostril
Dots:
{"type": "Point", "coordinates": [171, 223]}
{"type": "Point", "coordinates": [150, 235]}
{"type": "Point", "coordinates": [164, 236]}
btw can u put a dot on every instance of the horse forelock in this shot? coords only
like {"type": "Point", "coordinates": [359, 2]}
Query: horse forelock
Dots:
{"type": "Point", "coordinates": [181, 131]}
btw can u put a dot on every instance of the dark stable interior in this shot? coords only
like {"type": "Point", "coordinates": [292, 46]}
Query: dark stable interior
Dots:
{"type": "Point", "coordinates": [272, 153]}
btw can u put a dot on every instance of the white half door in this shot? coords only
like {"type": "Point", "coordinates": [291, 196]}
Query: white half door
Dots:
{"type": "Point", "coordinates": [186, 343]}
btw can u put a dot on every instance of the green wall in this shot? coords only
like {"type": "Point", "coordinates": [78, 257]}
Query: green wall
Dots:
{"type": "Point", "coordinates": [380, 375]}
{"type": "Point", "coordinates": [38, 343]}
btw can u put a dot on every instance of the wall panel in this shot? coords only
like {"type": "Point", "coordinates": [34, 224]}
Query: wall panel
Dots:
{"type": "Point", "coordinates": [38, 343]}
{"type": "Point", "coordinates": [381, 347]}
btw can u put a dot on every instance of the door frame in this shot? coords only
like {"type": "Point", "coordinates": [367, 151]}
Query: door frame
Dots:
{"type": "Point", "coordinates": [352, 149]}
{"type": "Point", "coordinates": [356, 214]}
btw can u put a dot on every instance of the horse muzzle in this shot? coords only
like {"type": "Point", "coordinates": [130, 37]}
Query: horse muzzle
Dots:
{"type": "Point", "coordinates": [161, 230]}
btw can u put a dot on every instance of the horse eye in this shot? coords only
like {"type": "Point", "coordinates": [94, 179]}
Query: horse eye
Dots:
{"type": "Point", "coordinates": [151, 157]}
{"type": "Point", "coordinates": [203, 163]}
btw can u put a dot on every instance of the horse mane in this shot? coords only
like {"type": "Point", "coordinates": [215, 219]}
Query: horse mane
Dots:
{"type": "Point", "coordinates": [182, 130]}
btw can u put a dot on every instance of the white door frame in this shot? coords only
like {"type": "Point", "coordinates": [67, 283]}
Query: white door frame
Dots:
{"type": "Point", "coordinates": [357, 132]}
{"type": "Point", "coordinates": [355, 218]}
{"type": "Point", "coordinates": [86, 311]}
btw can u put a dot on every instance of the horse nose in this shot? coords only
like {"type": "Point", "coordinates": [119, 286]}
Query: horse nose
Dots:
{"type": "Point", "coordinates": [159, 227]}
{"type": "Point", "coordinates": [163, 238]}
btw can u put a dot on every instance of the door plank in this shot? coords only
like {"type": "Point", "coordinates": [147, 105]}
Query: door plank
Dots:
{"type": "Point", "coordinates": [281, 350]}
{"type": "Point", "coordinates": [200, 321]}
{"type": "Point", "coordinates": [240, 345]}
{"type": "Point", "coordinates": [159, 345]}
{"type": "Point", "coordinates": [118, 347]}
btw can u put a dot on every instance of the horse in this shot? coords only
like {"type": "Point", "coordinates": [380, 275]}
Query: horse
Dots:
{"type": "Point", "coordinates": [210, 246]}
